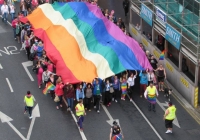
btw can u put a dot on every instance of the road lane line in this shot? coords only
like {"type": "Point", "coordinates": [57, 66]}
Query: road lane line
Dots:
{"type": "Point", "coordinates": [74, 117]}
{"type": "Point", "coordinates": [11, 89]}
{"type": "Point", "coordinates": [30, 128]}
{"type": "Point", "coordinates": [1, 66]}
{"type": "Point", "coordinates": [7, 21]}
{"type": "Point", "coordinates": [146, 119]}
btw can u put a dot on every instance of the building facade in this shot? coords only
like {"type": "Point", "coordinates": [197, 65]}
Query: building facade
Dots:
{"type": "Point", "coordinates": [172, 26]}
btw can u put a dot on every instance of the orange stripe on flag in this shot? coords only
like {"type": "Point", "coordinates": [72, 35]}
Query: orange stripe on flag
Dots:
{"type": "Point", "coordinates": [66, 45]}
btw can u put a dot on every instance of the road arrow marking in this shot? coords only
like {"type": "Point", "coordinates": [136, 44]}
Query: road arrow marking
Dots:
{"type": "Point", "coordinates": [175, 122]}
{"type": "Point", "coordinates": [28, 64]}
{"type": "Point", "coordinates": [6, 119]}
{"type": "Point", "coordinates": [1, 67]}
{"type": "Point", "coordinates": [36, 113]}
{"type": "Point", "coordinates": [110, 121]}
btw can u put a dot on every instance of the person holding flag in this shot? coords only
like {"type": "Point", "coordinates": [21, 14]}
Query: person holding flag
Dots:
{"type": "Point", "coordinates": [150, 94]}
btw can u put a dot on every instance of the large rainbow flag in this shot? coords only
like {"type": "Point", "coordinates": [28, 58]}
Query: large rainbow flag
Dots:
{"type": "Point", "coordinates": [83, 44]}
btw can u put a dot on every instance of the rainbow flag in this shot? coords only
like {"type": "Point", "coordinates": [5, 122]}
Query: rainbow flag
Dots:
{"type": "Point", "coordinates": [162, 55]}
{"type": "Point", "coordinates": [49, 86]}
{"type": "Point", "coordinates": [117, 137]}
{"type": "Point", "coordinates": [151, 98]}
{"type": "Point", "coordinates": [83, 44]}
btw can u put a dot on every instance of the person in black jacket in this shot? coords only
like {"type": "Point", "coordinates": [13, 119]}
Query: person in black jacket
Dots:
{"type": "Point", "coordinates": [126, 6]}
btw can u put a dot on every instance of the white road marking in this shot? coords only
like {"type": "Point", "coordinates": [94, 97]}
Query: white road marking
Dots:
{"type": "Point", "coordinates": [7, 80]}
{"type": "Point", "coordinates": [36, 113]}
{"type": "Point", "coordinates": [7, 21]}
{"type": "Point", "coordinates": [6, 119]}
{"type": "Point", "coordinates": [1, 66]}
{"type": "Point", "coordinates": [81, 132]}
{"type": "Point", "coordinates": [146, 119]}
{"type": "Point", "coordinates": [175, 122]}
{"type": "Point", "coordinates": [25, 65]}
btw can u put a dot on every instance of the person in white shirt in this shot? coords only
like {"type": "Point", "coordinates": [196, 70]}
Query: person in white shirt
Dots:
{"type": "Point", "coordinates": [12, 11]}
{"type": "Point", "coordinates": [138, 27]}
{"type": "Point", "coordinates": [45, 76]}
{"type": "Point", "coordinates": [150, 76]}
{"type": "Point", "coordinates": [5, 12]}
{"type": "Point", "coordinates": [131, 83]}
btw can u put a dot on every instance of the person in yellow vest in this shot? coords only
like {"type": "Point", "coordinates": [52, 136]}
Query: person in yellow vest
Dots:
{"type": "Point", "coordinates": [80, 112]}
{"type": "Point", "coordinates": [169, 116]}
{"type": "Point", "coordinates": [150, 94]}
{"type": "Point", "coordinates": [29, 103]}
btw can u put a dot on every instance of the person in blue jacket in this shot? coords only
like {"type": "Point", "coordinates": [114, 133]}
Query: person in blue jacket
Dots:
{"type": "Point", "coordinates": [143, 82]}
{"type": "Point", "coordinates": [97, 90]}
{"type": "Point", "coordinates": [116, 87]}
{"type": "Point", "coordinates": [80, 91]}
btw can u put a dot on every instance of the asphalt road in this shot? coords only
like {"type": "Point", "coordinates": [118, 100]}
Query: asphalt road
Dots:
{"type": "Point", "coordinates": [58, 124]}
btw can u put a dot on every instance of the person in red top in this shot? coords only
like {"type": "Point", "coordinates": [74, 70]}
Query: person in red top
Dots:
{"type": "Point", "coordinates": [1, 3]}
{"type": "Point", "coordinates": [59, 91]}
{"type": "Point", "coordinates": [14, 23]}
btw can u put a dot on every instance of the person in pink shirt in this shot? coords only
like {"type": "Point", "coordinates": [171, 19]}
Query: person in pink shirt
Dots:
{"type": "Point", "coordinates": [34, 3]}
{"type": "Point", "coordinates": [39, 71]}
{"type": "Point", "coordinates": [14, 23]}
{"type": "Point", "coordinates": [49, 65]}
{"type": "Point", "coordinates": [1, 3]}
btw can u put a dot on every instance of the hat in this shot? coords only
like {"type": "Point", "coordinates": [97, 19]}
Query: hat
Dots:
{"type": "Point", "coordinates": [28, 92]}
{"type": "Point", "coordinates": [150, 82]}
{"type": "Point", "coordinates": [115, 123]}
{"type": "Point", "coordinates": [170, 103]}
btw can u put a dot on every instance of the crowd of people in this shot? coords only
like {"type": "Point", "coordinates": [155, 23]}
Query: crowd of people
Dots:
{"type": "Point", "coordinates": [105, 91]}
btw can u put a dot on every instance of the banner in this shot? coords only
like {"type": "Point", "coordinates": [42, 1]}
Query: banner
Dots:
{"type": "Point", "coordinates": [173, 36]}
{"type": "Point", "coordinates": [161, 16]}
{"type": "Point", "coordinates": [146, 14]}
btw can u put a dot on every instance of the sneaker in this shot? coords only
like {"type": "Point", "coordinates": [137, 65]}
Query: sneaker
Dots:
{"type": "Point", "coordinates": [89, 110]}
{"type": "Point", "coordinates": [121, 98]}
{"type": "Point", "coordinates": [81, 129]}
{"type": "Point", "coordinates": [131, 100]}
{"type": "Point", "coordinates": [113, 99]}
{"type": "Point", "coordinates": [25, 112]}
{"type": "Point", "coordinates": [30, 117]}
{"type": "Point", "coordinates": [95, 107]}
{"type": "Point", "coordinates": [168, 131]}
{"type": "Point", "coordinates": [98, 111]}
{"type": "Point", "coordinates": [116, 101]}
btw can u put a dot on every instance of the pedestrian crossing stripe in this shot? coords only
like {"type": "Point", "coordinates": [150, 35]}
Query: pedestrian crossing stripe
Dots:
{"type": "Point", "coordinates": [196, 92]}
